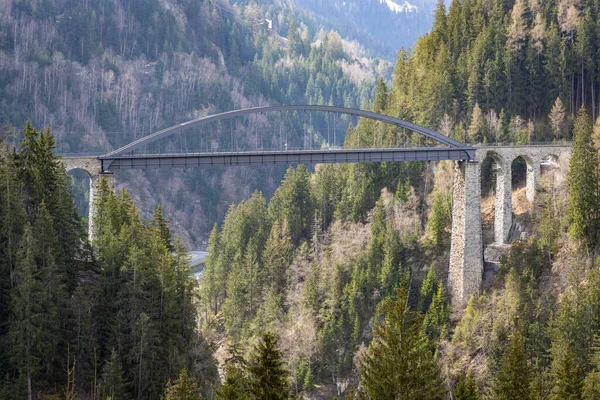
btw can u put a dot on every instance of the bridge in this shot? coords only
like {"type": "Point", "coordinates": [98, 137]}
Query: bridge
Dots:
{"type": "Point", "coordinates": [466, 254]}
{"type": "Point", "coordinates": [124, 157]}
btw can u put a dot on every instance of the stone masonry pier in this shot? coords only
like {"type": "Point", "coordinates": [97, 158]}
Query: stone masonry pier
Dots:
{"type": "Point", "coordinates": [466, 249]}
{"type": "Point", "coordinates": [93, 167]}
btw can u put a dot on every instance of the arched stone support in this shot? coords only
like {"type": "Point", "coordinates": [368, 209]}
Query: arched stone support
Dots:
{"type": "Point", "coordinates": [93, 167]}
{"type": "Point", "coordinates": [533, 178]}
{"type": "Point", "coordinates": [466, 257]}
{"type": "Point", "coordinates": [466, 248]}
{"type": "Point", "coordinates": [503, 218]}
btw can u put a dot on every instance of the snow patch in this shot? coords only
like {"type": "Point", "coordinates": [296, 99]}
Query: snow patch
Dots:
{"type": "Point", "coordinates": [398, 8]}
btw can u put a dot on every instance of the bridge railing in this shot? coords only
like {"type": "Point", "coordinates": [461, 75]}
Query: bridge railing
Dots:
{"type": "Point", "coordinates": [79, 155]}
{"type": "Point", "coordinates": [561, 142]}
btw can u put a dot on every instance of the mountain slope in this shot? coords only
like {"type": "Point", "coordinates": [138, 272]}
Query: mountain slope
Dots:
{"type": "Point", "coordinates": [513, 72]}
{"type": "Point", "coordinates": [381, 26]}
{"type": "Point", "coordinates": [104, 73]}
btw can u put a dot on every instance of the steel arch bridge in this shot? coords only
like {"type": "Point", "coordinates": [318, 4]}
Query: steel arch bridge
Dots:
{"type": "Point", "coordinates": [124, 157]}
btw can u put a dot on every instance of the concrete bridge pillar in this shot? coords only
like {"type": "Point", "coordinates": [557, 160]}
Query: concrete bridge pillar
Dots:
{"type": "Point", "coordinates": [503, 217]}
{"type": "Point", "coordinates": [533, 178]}
{"type": "Point", "coordinates": [93, 167]}
{"type": "Point", "coordinates": [466, 256]}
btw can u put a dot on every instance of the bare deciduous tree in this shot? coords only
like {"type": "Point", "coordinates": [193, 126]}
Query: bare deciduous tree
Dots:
{"type": "Point", "coordinates": [446, 125]}
{"type": "Point", "coordinates": [557, 117]}
{"type": "Point", "coordinates": [517, 31]}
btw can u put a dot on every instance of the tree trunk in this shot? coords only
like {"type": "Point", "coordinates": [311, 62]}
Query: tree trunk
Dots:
{"type": "Point", "coordinates": [572, 90]}
{"type": "Point", "coordinates": [140, 365]}
{"type": "Point", "coordinates": [29, 394]}
{"type": "Point", "coordinates": [593, 100]}
{"type": "Point", "coordinates": [582, 85]}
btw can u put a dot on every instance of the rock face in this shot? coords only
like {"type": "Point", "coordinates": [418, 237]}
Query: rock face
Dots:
{"type": "Point", "coordinates": [466, 253]}
{"type": "Point", "coordinates": [494, 252]}
{"type": "Point", "coordinates": [93, 167]}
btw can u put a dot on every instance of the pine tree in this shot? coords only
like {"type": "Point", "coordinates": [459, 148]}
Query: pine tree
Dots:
{"type": "Point", "coordinates": [403, 190]}
{"type": "Point", "coordinates": [235, 385]}
{"type": "Point", "coordinates": [591, 384]}
{"type": "Point", "coordinates": [277, 255]}
{"type": "Point", "coordinates": [162, 227]}
{"type": "Point", "coordinates": [184, 388]}
{"type": "Point", "coordinates": [33, 315]}
{"type": "Point", "coordinates": [378, 233]}
{"type": "Point", "coordinates": [583, 183]}
{"type": "Point", "coordinates": [439, 219]}
{"type": "Point", "coordinates": [295, 44]}
{"type": "Point", "coordinates": [210, 283]}
{"type": "Point", "coordinates": [513, 380]}
{"type": "Point", "coordinates": [144, 357]}
{"type": "Point", "coordinates": [568, 383]}
{"type": "Point", "coordinates": [12, 215]}
{"type": "Point", "coordinates": [429, 288]}
{"type": "Point", "coordinates": [293, 202]}
{"type": "Point", "coordinates": [268, 378]}
{"type": "Point", "coordinates": [399, 362]}
{"type": "Point", "coordinates": [308, 380]}
{"type": "Point", "coordinates": [439, 29]}
{"type": "Point", "coordinates": [391, 268]}
{"type": "Point", "coordinates": [596, 135]}
{"type": "Point", "coordinates": [466, 388]}
{"type": "Point", "coordinates": [236, 304]}
{"type": "Point", "coordinates": [381, 94]}
{"type": "Point", "coordinates": [476, 124]}
{"type": "Point", "coordinates": [12, 222]}
{"type": "Point", "coordinates": [114, 385]}
{"type": "Point", "coordinates": [437, 318]}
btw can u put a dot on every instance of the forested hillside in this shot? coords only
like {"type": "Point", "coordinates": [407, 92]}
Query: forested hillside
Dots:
{"type": "Point", "coordinates": [106, 72]}
{"type": "Point", "coordinates": [342, 262]}
{"type": "Point", "coordinates": [307, 287]}
{"type": "Point", "coordinates": [498, 71]}
{"type": "Point", "coordinates": [374, 23]}
{"type": "Point", "coordinates": [110, 319]}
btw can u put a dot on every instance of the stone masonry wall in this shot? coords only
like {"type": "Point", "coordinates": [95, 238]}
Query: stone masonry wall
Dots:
{"type": "Point", "coordinates": [466, 249]}
{"type": "Point", "coordinates": [93, 167]}
{"type": "Point", "coordinates": [466, 257]}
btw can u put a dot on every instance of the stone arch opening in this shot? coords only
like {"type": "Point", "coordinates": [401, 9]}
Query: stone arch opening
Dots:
{"type": "Point", "coordinates": [519, 167]}
{"type": "Point", "coordinates": [549, 168]}
{"type": "Point", "coordinates": [522, 204]}
{"type": "Point", "coordinates": [496, 205]}
{"type": "Point", "coordinates": [80, 181]}
{"type": "Point", "coordinates": [86, 169]}
{"type": "Point", "coordinates": [523, 181]}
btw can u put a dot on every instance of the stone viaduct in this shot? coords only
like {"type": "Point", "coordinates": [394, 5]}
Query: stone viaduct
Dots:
{"type": "Point", "coordinates": [466, 249]}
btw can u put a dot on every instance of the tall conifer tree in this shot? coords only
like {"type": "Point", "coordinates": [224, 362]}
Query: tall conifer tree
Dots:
{"type": "Point", "coordinates": [584, 203]}
{"type": "Point", "coordinates": [513, 380]}
{"type": "Point", "coordinates": [268, 377]}
{"type": "Point", "coordinates": [399, 362]}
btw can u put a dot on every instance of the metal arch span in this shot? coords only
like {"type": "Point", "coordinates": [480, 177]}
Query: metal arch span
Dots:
{"type": "Point", "coordinates": [436, 136]}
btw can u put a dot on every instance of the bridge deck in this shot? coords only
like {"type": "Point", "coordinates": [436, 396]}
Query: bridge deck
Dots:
{"type": "Point", "coordinates": [336, 156]}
